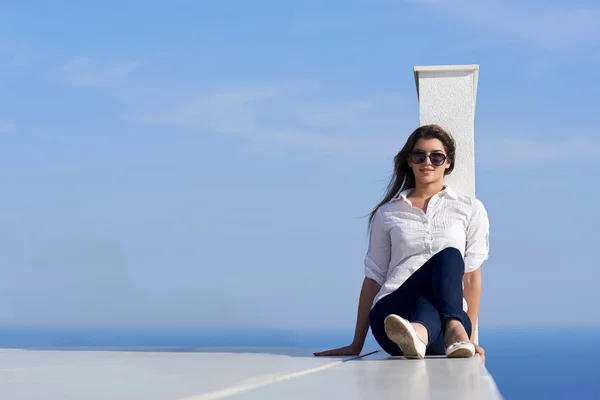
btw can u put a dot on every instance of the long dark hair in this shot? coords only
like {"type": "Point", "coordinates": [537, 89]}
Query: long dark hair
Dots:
{"type": "Point", "coordinates": [403, 177]}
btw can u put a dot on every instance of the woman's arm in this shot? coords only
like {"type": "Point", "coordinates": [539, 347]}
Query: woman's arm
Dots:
{"type": "Point", "coordinates": [369, 290]}
{"type": "Point", "coordinates": [476, 252]}
{"type": "Point", "coordinates": [472, 294]}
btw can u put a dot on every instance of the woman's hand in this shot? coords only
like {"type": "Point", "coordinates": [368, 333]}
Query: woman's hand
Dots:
{"type": "Point", "coordinates": [479, 350]}
{"type": "Point", "coordinates": [352, 350]}
{"type": "Point", "coordinates": [369, 289]}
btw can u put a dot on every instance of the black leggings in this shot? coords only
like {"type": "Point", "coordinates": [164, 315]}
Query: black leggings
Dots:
{"type": "Point", "coordinates": [430, 296]}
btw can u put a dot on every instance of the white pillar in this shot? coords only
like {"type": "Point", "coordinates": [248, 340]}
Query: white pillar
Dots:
{"type": "Point", "coordinates": [447, 96]}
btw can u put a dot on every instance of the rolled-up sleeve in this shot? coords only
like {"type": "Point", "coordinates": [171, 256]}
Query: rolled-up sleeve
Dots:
{"type": "Point", "coordinates": [377, 259]}
{"type": "Point", "coordinates": [478, 237]}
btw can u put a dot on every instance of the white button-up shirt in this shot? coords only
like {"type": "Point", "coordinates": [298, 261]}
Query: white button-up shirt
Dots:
{"type": "Point", "coordinates": [403, 237]}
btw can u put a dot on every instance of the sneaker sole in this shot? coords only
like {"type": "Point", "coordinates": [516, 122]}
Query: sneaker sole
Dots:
{"type": "Point", "coordinates": [463, 352]}
{"type": "Point", "coordinates": [399, 334]}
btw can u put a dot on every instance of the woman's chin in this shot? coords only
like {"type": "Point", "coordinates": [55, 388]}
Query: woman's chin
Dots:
{"type": "Point", "coordinates": [427, 179]}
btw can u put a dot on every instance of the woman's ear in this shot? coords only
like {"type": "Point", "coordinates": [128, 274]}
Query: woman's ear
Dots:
{"type": "Point", "coordinates": [447, 167]}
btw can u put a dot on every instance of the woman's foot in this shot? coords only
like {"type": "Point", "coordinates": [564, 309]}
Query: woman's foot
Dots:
{"type": "Point", "coordinates": [457, 341]}
{"type": "Point", "coordinates": [401, 332]}
{"type": "Point", "coordinates": [421, 331]}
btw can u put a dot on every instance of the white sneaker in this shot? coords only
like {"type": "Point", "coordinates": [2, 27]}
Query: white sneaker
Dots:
{"type": "Point", "coordinates": [462, 349]}
{"type": "Point", "coordinates": [401, 332]}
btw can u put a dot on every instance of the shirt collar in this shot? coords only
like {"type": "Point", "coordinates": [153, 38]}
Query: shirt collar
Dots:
{"type": "Point", "coordinates": [447, 191]}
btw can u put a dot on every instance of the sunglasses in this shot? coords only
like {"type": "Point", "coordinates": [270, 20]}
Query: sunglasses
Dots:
{"type": "Point", "coordinates": [419, 157]}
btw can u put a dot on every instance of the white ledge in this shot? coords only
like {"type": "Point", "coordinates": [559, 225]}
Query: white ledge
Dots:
{"type": "Point", "coordinates": [240, 373]}
{"type": "Point", "coordinates": [432, 69]}
{"type": "Point", "coordinates": [464, 67]}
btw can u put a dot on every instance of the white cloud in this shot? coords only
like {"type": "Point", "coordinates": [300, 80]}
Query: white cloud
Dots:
{"type": "Point", "coordinates": [88, 71]}
{"type": "Point", "coordinates": [367, 129]}
{"type": "Point", "coordinates": [548, 27]}
{"type": "Point", "coordinates": [274, 117]}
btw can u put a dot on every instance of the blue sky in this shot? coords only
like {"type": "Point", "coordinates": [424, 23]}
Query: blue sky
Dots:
{"type": "Point", "coordinates": [210, 163]}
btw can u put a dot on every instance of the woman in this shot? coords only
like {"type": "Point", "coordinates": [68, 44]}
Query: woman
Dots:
{"type": "Point", "coordinates": [426, 243]}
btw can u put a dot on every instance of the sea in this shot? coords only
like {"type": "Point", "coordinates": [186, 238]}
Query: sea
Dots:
{"type": "Point", "coordinates": [528, 363]}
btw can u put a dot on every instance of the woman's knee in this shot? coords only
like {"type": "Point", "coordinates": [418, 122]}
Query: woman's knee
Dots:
{"type": "Point", "coordinates": [451, 252]}
{"type": "Point", "coordinates": [451, 256]}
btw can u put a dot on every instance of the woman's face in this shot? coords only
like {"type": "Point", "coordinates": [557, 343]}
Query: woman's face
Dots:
{"type": "Point", "coordinates": [431, 168]}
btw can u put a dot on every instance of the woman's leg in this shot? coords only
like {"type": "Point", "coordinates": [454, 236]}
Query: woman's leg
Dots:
{"type": "Point", "coordinates": [437, 346]}
{"type": "Point", "coordinates": [447, 296]}
{"type": "Point", "coordinates": [407, 303]}
{"type": "Point", "coordinates": [427, 315]}
{"type": "Point", "coordinates": [401, 304]}
{"type": "Point", "coordinates": [447, 269]}
{"type": "Point", "coordinates": [439, 281]}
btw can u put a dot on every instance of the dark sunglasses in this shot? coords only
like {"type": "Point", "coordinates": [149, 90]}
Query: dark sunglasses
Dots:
{"type": "Point", "coordinates": [419, 157]}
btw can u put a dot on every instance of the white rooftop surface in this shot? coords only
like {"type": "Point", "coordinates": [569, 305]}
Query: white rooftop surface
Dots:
{"type": "Point", "coordinates": [202, 374]}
